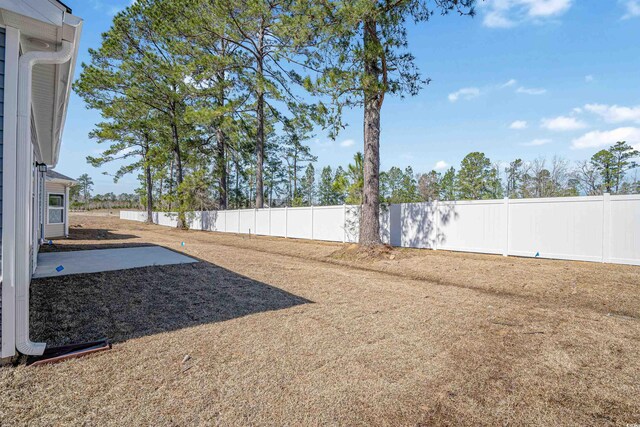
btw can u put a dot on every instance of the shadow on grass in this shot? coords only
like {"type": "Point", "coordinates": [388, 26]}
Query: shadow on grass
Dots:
{"type": "Point", "coordinates": [124, 304]}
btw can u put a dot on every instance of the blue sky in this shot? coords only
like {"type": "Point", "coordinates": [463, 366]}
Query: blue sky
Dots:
{"type": "Point", "coordinates": [524, 78]}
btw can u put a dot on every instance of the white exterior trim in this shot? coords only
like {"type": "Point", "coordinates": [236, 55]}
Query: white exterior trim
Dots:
{"type": "Point", "coordinates": [12, 53]}
{"type": "Point", "coordinates": [66, 211]}
{"type": "Point", "coordinates": [63, 208]}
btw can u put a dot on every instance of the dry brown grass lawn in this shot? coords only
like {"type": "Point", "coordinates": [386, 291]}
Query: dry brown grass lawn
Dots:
{"type": "Point", "coordinates": [285, 332]}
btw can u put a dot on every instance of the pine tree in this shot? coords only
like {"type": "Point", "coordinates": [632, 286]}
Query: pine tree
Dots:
{"type": "Point", "coordinates": [449, 185]}
{"type": "Point", "coordinates": [325, 187]}
{"type": "Point", "coordinates": [355, 173]}
{"type": "Point", "coordinates": [477, 179]}
{"type": "Point", "coordinates": [365, 57]}
{"type": "Point", "coordinates": [429, 186]}
{"type": "Point", "coordinates": [85, 184]}
{"type": "Point", "coordinates": [309, 185]}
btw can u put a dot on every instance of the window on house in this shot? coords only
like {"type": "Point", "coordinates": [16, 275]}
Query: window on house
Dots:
{"type": "Point", "coordinates": [56, 208]}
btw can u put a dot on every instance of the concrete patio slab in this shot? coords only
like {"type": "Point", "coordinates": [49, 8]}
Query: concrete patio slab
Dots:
{"type": "Point", "coordinates": [97, 260]}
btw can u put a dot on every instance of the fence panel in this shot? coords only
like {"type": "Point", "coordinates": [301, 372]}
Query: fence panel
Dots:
{"type": "Point", "coordinates": [624, 230]}
{"type": "Point", "coordinates": [262, 222]}
{"type": "Point", "coordinates": [328, 223]}
{"type": "Point", "coordinates": [232, 221]}
{"type": "Point", "coordinates": [169, 219]}
{"type": "Point", "coordinates": [194, 220]}
{"type": "Point", "coordinates": [471, 226]}
{"type": "Point", "coordinates": [412, 225]}
{"type": "Point", "coordinates": [567, 228]}
{"type": "Point", "coordinates": [247, 221]}
{"type": "Point", "coordinates": [299, 223]}
{"type": "Point", "coordinates": [279, 222]}
{"type": "Point", "coordinates": [352, 223]}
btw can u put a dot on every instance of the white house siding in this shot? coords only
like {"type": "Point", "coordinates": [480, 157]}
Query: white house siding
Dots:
{"type": "Point", "coordinates": [2, 38]}
{"type": "Point", "coordinates": [54, 230]}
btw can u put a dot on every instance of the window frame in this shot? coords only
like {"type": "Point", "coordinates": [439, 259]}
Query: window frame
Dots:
{"type": "Point", "coordinates": [61, 208]}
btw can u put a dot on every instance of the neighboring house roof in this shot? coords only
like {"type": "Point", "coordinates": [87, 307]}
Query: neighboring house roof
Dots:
{"type": "Point", "coordinates": [58, 177]}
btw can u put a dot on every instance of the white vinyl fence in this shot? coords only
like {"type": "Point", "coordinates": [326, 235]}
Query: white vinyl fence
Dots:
{"type": "Point", "coordinates": [595, 228]}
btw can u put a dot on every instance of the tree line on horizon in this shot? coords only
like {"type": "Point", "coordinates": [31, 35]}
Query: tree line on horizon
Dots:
{"type": "Point", "coordinates": [476, 179]}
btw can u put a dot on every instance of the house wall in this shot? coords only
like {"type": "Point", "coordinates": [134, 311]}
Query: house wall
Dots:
{"type": "Point", "coordinates": [53, 230]}
{"type": "Point", "coordinates": [2, 44]}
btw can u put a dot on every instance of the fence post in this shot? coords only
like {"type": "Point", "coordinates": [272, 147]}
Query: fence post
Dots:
{"type": "Point", "coordinates": [505, 243]}
{"type": "Point", "coordinates": [238, 221]}
{"type": "Point", "coordinates": [344, 222]}
{"type": "Point", "coordinates": [286, 222]}
{"type": "Point", "coordinates": [255, 221]}
{"type": "Point", "coordinates": [270, 221]}
{"type": "Point", "coordinates": [311, 222]}
{"type": "Point", "coordinates": [436, 224]}
{"type": "Point", "coordinates": [606, 227]}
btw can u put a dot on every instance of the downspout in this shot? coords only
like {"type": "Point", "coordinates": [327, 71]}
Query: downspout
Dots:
{"type": "Point", "coordinates": [23, 191]}
{"type": "Point", "coordinates": [66, 211]}
{"type": "Point", "coordinates": [43, 204]}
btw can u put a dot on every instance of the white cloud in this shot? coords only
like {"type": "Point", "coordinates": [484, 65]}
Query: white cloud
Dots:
{"type": "Point", "coordinates": [497, 19]}
{"type": "Point", "coordinates": [518, 124]}
{"type": "Point", "coordinates": [441, 165]}
{"type": "Point", "coordinates": [632, 8]}
{"type": "Point", "coordinates": [563, 123]}
{"type": "Point", "coordinates": [509, 83]}
{"type": "Point", "coordinates": [588, 78]}
{"type": "Point", "coordinates": [509, 13]}
{"type": "Point", "coordinates": [597, 138]}
{"type": "Point", "coordinates": [615, 113]}
{"type": "Point", "coordinates": [531, 91]}
{"type": "Point", "coordinates": [347, 143]}
{"type": "Point", "coordinates": [537, 142]}
{"type": "Point", "coordinates": [546, 8]}
{"type": "Point", "coordinates": [464, 93]}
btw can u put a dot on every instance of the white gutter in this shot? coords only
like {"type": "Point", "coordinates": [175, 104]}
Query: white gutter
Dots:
{"type": "Point", "coordinates": [23, 190]}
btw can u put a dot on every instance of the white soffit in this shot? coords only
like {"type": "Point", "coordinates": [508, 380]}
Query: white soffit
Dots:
{"type": "Point", "coordinates": [43, 24]}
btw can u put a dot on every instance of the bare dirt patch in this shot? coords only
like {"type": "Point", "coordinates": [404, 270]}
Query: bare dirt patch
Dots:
{"type": "Point", "coordinates": [356, 253]}
{"type": "Point", "coordinates": [282, 332]}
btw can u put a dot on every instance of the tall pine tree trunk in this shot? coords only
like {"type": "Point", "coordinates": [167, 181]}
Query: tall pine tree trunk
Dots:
{"type": "Point", "coordinates": [182, 223]}
{"type": "Point", "coordinates": [295, 177]}
{"type": "Point", "coordinates": [221, 161]}
{"type": "Point", "coordinates": [148, 181]}
{"type": "Point", "coordinates": [222, 169]}
{"type": "Point", "coordinates": [260, 152]}
{"type": "Point", "coordinates": [370, 211]}
{"type": "Point", "coordinates": [147, 174]}
{"type": "Point", "coordinates": [260, 118]}
{"type": "Point", "coordinates": [171, 172]}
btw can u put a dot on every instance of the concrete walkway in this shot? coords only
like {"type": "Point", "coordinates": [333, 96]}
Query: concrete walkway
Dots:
{"type": "Point", "coordinates": [96, 260]}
